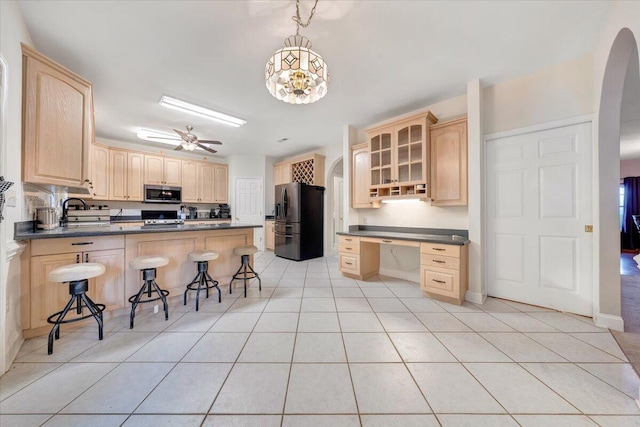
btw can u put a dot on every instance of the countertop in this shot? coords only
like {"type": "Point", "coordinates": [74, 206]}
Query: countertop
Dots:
{"type": "Point", "coordinates": [450, 237]}
{"type": "Point", "coordinates": [114, 229]}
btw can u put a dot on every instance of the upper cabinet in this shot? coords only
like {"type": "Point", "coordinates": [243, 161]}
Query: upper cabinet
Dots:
{"type": "Point", "coordinates": [99, 172]}
{"type": "Point", "coordinates": [361, 177]}
{"type": "Point", "coordinates": [126, 175]}
{"type": "Point", "coordinates": [399, 158]}
{"type": "Point", "coordinates": [449, 163]}
{"type": "Point", "coordinates": [198, 183]}
{"type": "Point", "coordinates": [281, 173]}
{"type": "Point", "coordinates": [58, 126]}
{"type": "Point", "coordinates": [221, 183]}
{"type": "Point", "coordinates": [161, 170]}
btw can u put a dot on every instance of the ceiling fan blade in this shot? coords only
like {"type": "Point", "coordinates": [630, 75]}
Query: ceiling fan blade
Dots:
{"type": "Point", "coordinates": [178, 147]}
{"type": "Point", "coordinates": [200, 141]}
{"type": "Point", "coordinates": [205, 148]}
{"type": "Point", "coordinates": [172, 139]}
{"type": "Point", "coordinates": [182, 134]}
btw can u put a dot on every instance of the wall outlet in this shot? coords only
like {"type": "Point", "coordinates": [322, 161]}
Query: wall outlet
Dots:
{"type": "Point", "coordinates": [156, 308]}
{"type": "Point", "coordinates": [11, 199]}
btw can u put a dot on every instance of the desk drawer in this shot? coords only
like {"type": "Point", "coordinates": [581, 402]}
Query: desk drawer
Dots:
{"type": "Point", "coordinates": [397, 242]}
{"type": "Point", "coordinates": [348, 240]}
{"type": "Point", "coordinates": [349, 248]}
{"type": "Point", "coordinates": [440, 249]}
{"type": "Point", "coordinates": [350, 263]}
{"type": "Point", "coordinates": [441, 282]}
{"type": "Point", "coordinates": [440, 261]}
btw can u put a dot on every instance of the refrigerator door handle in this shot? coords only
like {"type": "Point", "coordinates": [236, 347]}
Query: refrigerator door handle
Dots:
{"type": "Point", "coordinates": [284, 201]}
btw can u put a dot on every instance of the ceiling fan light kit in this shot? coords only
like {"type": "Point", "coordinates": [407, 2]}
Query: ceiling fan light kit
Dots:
{"type": "Point", "coordinates": [196, 110]}
{"type": "Point", "coordinates": [296, 74]}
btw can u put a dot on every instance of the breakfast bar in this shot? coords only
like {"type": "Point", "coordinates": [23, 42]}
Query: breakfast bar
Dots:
{"type": "Point", "coordinates": [115, 246]}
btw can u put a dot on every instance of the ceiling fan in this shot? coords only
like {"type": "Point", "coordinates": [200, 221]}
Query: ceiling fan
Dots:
{"type": "Point", "coordinates": [190, 141]}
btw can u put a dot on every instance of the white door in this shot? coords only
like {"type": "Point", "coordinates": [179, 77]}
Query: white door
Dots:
{"type": "Point", "coordinates": [538, 202]}
{"type": "Point", "coordinates": [338, 217]}
{"type": "Point", "coordinates": [248, 206]}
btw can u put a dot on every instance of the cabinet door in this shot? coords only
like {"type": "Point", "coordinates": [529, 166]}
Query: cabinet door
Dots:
{"type": "Point", "coordinates": [190, 182]}
{"type": "Point", "coordinates": [410, 153]}
{"type": "Point", "coordinates": [48, 297]}
{"type": "Point", "coordinates": [107, 289]}
{"type": "Point", "coordinates": [269, 238]}
{"type": "Point", "coordinates": [100, 172]}
{"type": "Point", "coordinates": [206, 182]}
{"type": "Point", "coordinates": [449, 164]}
{"type": "Point", "coordinates": [117, 175]}
{"type": "Point", "coordinates": [360, 178]}
{"type": "Point", "coordinates": [153, 169]}
{"type": "Point", "coordinates": [172, 172]}
{"type": "Point", "coordinates": [58, 123]}
{"type": "Point", "coordinates": [135, 176]}
{"type": "Point", "coordinates": [282, 173]}
{"type": "Point", "coordinates": [221, 183]}
{"type": "Point", "coordinates": [381, 155]}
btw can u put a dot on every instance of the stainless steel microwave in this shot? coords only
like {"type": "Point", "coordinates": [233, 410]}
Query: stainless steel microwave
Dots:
{"type": "Point", "coordinates": [162, 194]}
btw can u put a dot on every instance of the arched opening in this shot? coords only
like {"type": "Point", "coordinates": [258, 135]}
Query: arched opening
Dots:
{"type": "Point", "coordinates": [334, 200]}
{"type": "Point", "coordinates": [614, 109]}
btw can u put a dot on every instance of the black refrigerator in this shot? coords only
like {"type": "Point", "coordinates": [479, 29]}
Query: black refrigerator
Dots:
{"type": "Point", "coordinates": [299, 221]}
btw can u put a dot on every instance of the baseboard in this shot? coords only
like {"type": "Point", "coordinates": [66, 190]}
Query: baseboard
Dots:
{"type": "Point", "coordinates": [475, 297]}
{"type": "Point", "coordinates": [608, 321]}
{"type": "Point", "coordinates": [400, 274]}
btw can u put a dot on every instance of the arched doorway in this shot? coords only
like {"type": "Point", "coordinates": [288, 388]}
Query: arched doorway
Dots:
{"type": "Point", "coordinates": [334, 200]}
{"type": "Point", "coordinates": [623, 50]}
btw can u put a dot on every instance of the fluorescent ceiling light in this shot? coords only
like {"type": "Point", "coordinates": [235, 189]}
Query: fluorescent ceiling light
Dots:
{"type": "Point", "coordinates": [154, 135]}
{"type": "Point", "coordinates": [196, 110]}
{"type": "Point", "coordinates": [401, 201]}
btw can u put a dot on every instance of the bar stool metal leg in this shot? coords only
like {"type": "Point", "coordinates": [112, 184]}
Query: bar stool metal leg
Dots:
{"type": "Point", "coordinates": [149, 287]}
{"type": "Point", "coordinates": [245, 275]}
{"type": "Point", "coordinates": [204, 282]}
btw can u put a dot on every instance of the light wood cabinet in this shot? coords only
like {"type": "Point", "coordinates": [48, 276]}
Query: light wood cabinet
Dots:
{"type": "Point", "coordinates": [444, 271]}
{"type": "Point", "coordinates": [449, 163]}
{"type": "Point", "coordinates": [357, 259]}
{"type": "Point", "coordinates": [198, 182]}
{"type": "Point", "coordinates": [361, 177]}
{"type": "Point", "coordinates": [51, 297]}
{"type": "Point", "coordinates": [100, 172]}
{"type": "Point", "coordinates": [281, 173]}
{"type": "Point", "coordinates": [270, 235]}
{"type": "Point", "coordinates": [58, 126]}
{"type": "Point", "coordinates": [126, 175]}
{"type": "Point", "coordinates": [221, 183]}
{"type": "Point", "coordinates": [399, 158]}
{"type": "Point", "coordinates": [161, 170]}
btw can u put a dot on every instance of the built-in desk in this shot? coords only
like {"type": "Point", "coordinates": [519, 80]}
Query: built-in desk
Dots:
{"type": "Point", "coordinates": [443, 258]}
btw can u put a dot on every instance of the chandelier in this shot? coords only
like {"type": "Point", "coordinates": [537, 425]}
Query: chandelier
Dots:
{"type": "Point", "coordinates": [296, 74]}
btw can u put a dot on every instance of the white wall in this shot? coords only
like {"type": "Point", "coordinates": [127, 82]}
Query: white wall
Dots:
{"type": "Point", "coordinates": [559, 92]}
{"type": "Point", "coordinates": [12, 32]}
{"type": "Point", "coordinates": [629, 167]}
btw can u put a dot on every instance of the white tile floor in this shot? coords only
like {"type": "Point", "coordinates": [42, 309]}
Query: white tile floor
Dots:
{"type": "Point", "coordinates": [317, 349]}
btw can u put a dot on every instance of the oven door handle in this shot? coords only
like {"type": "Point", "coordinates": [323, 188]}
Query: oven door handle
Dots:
{"type": "Point", "coordinates": [285, 235]}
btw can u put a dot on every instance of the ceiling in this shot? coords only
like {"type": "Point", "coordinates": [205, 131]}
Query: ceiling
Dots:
{"type": "Point", "coordinates": [385, 58]}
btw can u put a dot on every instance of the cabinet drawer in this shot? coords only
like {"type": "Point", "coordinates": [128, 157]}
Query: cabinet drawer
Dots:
{"type": "Point", "coordinates": [349, 248]}
{"type": "Point", "coordinates": [75, 244]}
{"type": "Point", "coordinates": [396, 242]}
{"type": "Point", "coordinates": [440, 249]}
{"type": "Point", "coordinates": [349, 240]}
{"type": "Point", "coordinates": [441, 282]}
{"type": "Point", "coordinates": [440, 261]}
{"type": "Point", "coordinates": [350, 264]}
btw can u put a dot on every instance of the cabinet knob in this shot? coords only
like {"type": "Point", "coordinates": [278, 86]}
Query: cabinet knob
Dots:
{"type": "Point", "coordinates": [77, 258]}
{"type": "Point", "coordinates": [86, 257]}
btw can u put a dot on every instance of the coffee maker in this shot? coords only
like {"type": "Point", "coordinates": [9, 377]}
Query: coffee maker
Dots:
{"type": "Point", "coordinates": [224, 211]}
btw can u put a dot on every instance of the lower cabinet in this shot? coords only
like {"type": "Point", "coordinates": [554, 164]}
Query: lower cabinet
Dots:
{"type": "Point", "coordinates": [444, 272]}
{"type": "Point", "coordinates": [51, 297]}
{"type": "Point", "coordinates": [358, 260]}
{"type": "Point", "coordinates": [270, 235]}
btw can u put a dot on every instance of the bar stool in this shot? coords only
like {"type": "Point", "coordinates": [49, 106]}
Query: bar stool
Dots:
{"type": "Point", "coordinates": [77, 275]}
{"type": "Point", "coordinates": [242, 274]}
{"type": "Point", "coordinates": [148, 264]}
{"type": "Point", "coordinates": [202, 279]}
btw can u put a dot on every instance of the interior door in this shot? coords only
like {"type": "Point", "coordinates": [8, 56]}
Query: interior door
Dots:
{"type": "Point", "coordinates": [249, 195]}
{"type": "Point", "coordinates": [539, 201]}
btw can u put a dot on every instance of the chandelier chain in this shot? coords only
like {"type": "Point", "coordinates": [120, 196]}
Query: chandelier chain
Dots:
{"type": "Point", "coordinates": [298, 20]}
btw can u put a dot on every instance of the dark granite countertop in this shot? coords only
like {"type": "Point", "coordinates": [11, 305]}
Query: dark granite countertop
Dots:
{"type": "Point", "coordinates": [427, 235]}
{"type": "Point", "coordinates": [24, 231]}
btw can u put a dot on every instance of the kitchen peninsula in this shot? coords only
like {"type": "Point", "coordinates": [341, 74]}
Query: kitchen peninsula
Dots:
{"type": "Point", "coordinates": [114, 246]}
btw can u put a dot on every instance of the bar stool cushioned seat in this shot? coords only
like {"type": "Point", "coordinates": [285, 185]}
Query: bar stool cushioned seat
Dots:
{"type": "Point", "coordinates": [245, 272]}
{"type": "Point", "coordinates": [148, 264]}
{"type": "Point", "coordinates": [77, 275]}
{"type": "Point", "coordinates": [202, 281]}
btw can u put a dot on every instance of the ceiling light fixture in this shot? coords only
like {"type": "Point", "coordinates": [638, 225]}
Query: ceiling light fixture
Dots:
{"type": "Point", "coordinates": [196, 110]}
{"type": "Point", "coordinates": [296, 74]}
{"type": "Point", "coordinates": [157, 136]}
